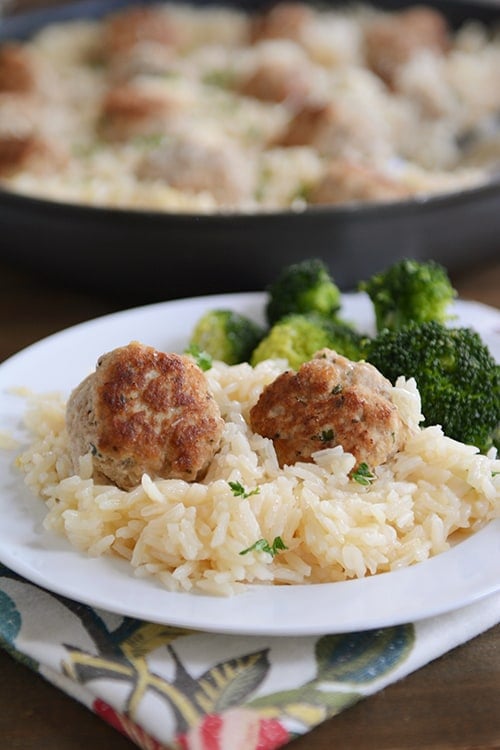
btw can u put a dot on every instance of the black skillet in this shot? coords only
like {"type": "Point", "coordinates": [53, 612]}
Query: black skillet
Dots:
{"type": "Point", "coordinates": [144, 256]}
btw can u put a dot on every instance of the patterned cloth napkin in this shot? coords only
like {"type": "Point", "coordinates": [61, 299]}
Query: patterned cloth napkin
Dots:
{"type": "Point", "coordinates": [168, 688]}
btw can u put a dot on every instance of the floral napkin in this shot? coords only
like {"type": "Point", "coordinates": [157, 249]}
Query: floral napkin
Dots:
{"type": "Point", "coordinates": [168, 688]}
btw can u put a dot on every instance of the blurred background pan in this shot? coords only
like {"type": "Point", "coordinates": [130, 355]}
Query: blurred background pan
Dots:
{"type": "Point", "coordinates": [142, 256]}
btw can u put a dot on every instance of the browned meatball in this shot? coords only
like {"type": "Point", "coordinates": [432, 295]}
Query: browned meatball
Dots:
{"type": "Point", "coordinates": [129, 111]}
{"type": "Point", "coordinates": [284, 20]}
{"type": "Point", "coordinates": [278, 81]}
{"type": "Point", "coordinates": [345, 181]}
{"type": "Point", "coordinates": [146, 59]}
{"type": "Point", "coordinates": [330, 401]}
{"type": "Point", "coordinates": [333, 129]}
{"type": "Point", "coordinates": [30, 152]}
{"type": "Point", "coordinates": [144, 411]}
{"type": "Point", "coordinates": [390, 41]}
{"type": "Point", "coordinates": [17, 70]}
{"type": "Point", "coordinates": [196, 165]}
{"type": "Point", "coordinates": [134, 26]}
{"type": "Point", "coordinates": [307, 125]}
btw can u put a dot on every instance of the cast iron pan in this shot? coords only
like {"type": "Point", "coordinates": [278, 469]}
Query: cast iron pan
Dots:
{"type": "Point", "coordinates": [144, 256]}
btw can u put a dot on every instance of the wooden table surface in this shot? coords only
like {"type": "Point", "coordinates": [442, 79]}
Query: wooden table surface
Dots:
{"type": "Point", "coordinates": [453, 702]}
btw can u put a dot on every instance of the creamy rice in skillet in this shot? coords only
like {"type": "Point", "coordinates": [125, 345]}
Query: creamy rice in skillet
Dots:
{"type": "Point", "coordinates": [190, 125]}
{"type": "Point", "coordinates": [190, 536]}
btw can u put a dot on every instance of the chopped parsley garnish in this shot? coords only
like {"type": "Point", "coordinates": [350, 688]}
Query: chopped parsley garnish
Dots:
{"type": "Point", "coordinates": [363, 474]}
{"type": "Point", "coordinates": [239, 491]}
{"type": "Point", "coordinates": [202, 358]}
{"type": "Point", "coordinates": [326, 436]}
{"type": "Point", "coordinates": [263, 183]}
{"type": "Point", "coordinates": [301, 192]}
{"type": "Point", "coordinates": [85, 150]}
{"type": "Point", "coordinates": [221, 78]}
{"type": "Point", "coordinates": [262, 545]}
{"type": "Point", "coordinates": [151, 140]}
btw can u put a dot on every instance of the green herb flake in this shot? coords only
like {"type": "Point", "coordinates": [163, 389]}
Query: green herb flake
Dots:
{"type": "Point", "coordinates": [363, 474]}
{"type": "Point", "coordinates": [262, 545]}
{"type": "Point", "coordinates": [202, 358]}
{"type": "Point", "coordinates": [150, 140]}
{"type": "Point", "coordinates": [220, 78]}
{"type": "Point", "coordinates": [239, 491]}
{"type": "Point", "coordinates": [263, 183]}
{"type": "Point", "coordinates": [302, 192]}
{"type": "Point", "coordinates": [85, 150]}
{"type": "Point", "coordinates": [326, 436]}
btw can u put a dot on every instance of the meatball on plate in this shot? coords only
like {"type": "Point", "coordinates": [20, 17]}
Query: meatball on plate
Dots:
{"type": "Point", "coordinates": [144, 411]}
{"type": "Point", "coordinates": [330, 401]}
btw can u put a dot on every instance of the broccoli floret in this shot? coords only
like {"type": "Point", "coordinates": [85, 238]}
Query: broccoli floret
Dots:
{"type": "Point", "coordinates": [345, 339]}
{"type": "Point", "coordinates": [302, 288]}
{"type": "Point", "coordinates": [410, 292]}
{"type": "Point", "coordinates": [226, 336]}
{"type": "Point", "coordinates": [297, 338]}
{"type": "Point", "coordinates": [458, 379]}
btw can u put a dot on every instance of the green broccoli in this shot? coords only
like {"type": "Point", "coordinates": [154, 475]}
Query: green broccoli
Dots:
{"type": "Point", "coordinates": [409, 292]}
{"type": "Point", "coordinates": [227, 336]}
{"type": "Point", "coordinates": [458, 379]}
{"type": "Point", "coordinates": [297, 338]}
{"type": "Point", "coordinates": [345, 339]}
{"type": "Point", "coordinates": [302, 288]}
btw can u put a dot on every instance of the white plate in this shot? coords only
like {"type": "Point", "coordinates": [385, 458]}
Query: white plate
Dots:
{"type": "Point", "coordinates": [465, 573]}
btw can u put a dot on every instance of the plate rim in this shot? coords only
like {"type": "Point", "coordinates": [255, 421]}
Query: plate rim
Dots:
{"type": "Point", "coordinates": [191, 618]}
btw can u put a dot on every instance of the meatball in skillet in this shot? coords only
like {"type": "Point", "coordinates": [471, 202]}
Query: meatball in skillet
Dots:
{"type": "Point", "coordinates": [286, 20]}
{"type": "Point", "coordinates": [280, 76]}
{"type": "Point", "coordinates": [139, 40]}
{"type": "Point", "coordinates": [390, 41]}
{"type": "Point", "coordinates": [127, 29]}
{"type": "Point", "coordinates": [32, 152]}
{"type": "Point", "coordinates": [16, 72]}
{"type": "Point", "coordinates": [144, 411]}
{"type": "Point", "coordinates": [196, 165]}
{"type": "Point", "coordinates": [132, 110]}
{"type": "Point", "coordinates": [330, 401]}
{"type": "Point", "coordinates": [334, 129]}
{"type": "Point", "coordinates": [345, 181]}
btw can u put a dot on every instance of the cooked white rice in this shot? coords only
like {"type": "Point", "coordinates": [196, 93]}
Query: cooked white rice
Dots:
{"type": "Point", "coordinates": [190, 536]}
